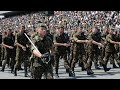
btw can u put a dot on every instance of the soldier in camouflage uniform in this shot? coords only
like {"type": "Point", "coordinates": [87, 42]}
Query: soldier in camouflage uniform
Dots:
{"type": "Point", "coordinates": [44, 45]}
{"type": "Point", "coordinates": [106, 32]}
{"type": "Point", "coordinates": [21, 54]}
{"type": "Point", "coordinates": [116, 39]}
{"type": "Point", "coordinates": [8, 43]}
{"type": "Point", "coordinates": [3, 49]}
{"type": "Point", "coordinates": [96, 37]}
{"type": "Point", "coordinates": [79, 50]}
{"type": "Point", "coordinates": [61, 43]}
{"type": "Point", "coordinates": [118, 47]}
{"type": "Point", "coordinates": [0, 48]}
{"type": "Point", "coordinates": [110, 48]}
{"type": "Point", "coordinates": [72, 45]}
{"type": "Point", "coordinates": [51, 36]}
{"type": "Point", "coordinates": [91, 52]}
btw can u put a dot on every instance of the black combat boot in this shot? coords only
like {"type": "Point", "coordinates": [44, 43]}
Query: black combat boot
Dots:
{"type": "Point", "coordinates": [3, 68]}
{"type": "Point", "coordinates": [11, 70]}
{"type": "Point", "coordinates": [105, 68]}
{"type": "Point", "coordinates": [71, 73]}
{"type": "Point", "coordinates": [82, 67]}
{"type": "Point", "coordinates": [67, 70]}
{"type": "Point", "coordinates": [79, 64]}
{"type": "Point", "coordinates": [26, 75]}
{"type": "Point", "coordinates": [89, 71]}
{"type": "Point", "coordinates": [96, 67]}
{"type": "Point", "coordinates": [114, 65]}
{"type": "Point", "coordinates": [20, 69]}
{"type": "Point", "coordinates": [15, 72]}
{"type": "Point", "coordinates": [56, 75]}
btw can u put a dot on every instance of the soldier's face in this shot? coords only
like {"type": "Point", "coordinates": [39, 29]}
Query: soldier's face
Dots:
{"type": "Point", "coordinates": [110, 31]}
{"type": "Point", "coordinates": [9, 33]}
{"type": "Point", "coordinates": [22, 29]}
{"type": "Point", "coordinates": [61, 30]}
{"type": "Point", "coordinates": [94, 30]}
{"type": "Point", "coordinates": [42, 31]}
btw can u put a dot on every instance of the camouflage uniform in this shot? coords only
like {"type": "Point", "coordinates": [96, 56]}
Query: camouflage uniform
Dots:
{"type": "Point", "coordinates": [96, 37]}
{"type": "Point", "coordinates": [10, 53]}
{"type": "Point", "coordinates": [0, 49]}
{"type": "Point", "coordinates": [61, 52]}
{"type": "Point", "coordinates": [110, 50]}
{"type": "Point", "coordinates": [3, 49]}
{"type": "Point", "coordinates": [38, 67]}
{"type": "Point", "coordinates": [21, 55]}
{"type": "Point", "coordinates": [79, 51]}
{"type": "Point", "coordinates": [92, 52]}
{"type": "Point", "coordinates": [112, 60]}
{"type": "Point", "coordinates": [103, 49]}
{"type": "Point", "coordinates": [71, 47]}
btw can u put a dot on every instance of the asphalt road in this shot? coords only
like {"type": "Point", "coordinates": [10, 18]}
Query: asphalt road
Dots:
{"type": "Point", "coordinates": [114, 73]}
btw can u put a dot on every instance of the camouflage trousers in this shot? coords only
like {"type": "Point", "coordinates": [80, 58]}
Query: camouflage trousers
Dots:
{"type": "Point", "coordinates": [57, 58]}
{"type": "Point", "coordinates": [3, 53]}
{"type": "Point", "coordinates": [0, 55]}
{"type": "Point", "coordinates": [78, 55]}
{"type": "Point", "coordinates": [113, 55]}
{"type": "Point", "coordinates": [37, 72]}
{"type": "Point", "coordinates": [9, 59]}
{"type": "Point", "coordinates": [21, 57]}
{"type": "Point", "coordinates": [94, 56]}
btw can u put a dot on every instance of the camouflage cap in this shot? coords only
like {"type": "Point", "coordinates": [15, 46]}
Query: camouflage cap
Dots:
{"type": "Point", "coordinates": [41, 25]}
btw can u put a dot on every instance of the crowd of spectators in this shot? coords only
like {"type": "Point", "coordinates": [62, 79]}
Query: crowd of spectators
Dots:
{"type": "Point", "coordinates": [70, 20]}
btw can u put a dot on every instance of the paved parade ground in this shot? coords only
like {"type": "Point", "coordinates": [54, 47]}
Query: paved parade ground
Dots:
{"type": "Point", "coordinates": [98, 74]}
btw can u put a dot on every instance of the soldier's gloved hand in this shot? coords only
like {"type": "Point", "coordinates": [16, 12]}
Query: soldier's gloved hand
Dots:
{"type": "Point", "coordinates": [46, 55]}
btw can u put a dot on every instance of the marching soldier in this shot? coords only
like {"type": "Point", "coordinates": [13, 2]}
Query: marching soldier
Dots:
{"type": "Point", "coordinates": [96, 37]}
{"type": "Point", "coordinates": [3, 49]}
{"type": "Point", "coordinates": [61, 43]}
{"type": "Point", "coordinates": [110, 48]}
{"type": "Point", "coordinates": [72, 45]}
{"type": "Point", "coordinates": [41, 62]}
{"type": "Point", "coordinates": [106, 32]}
{"type": "Point", "coordinates": [0, 48]}
{"type": "Point", "coordinates": [79, 50]}
{"type": "Point", "coordinates": [21, 54]}
{"type": "Point", "coordinates": [8, 43]}
{"type": "Point", "coordinates": [91, 52]}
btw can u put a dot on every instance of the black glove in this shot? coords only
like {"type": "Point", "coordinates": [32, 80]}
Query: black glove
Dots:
{"type": "Point", "coordinates": [46, 55]}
